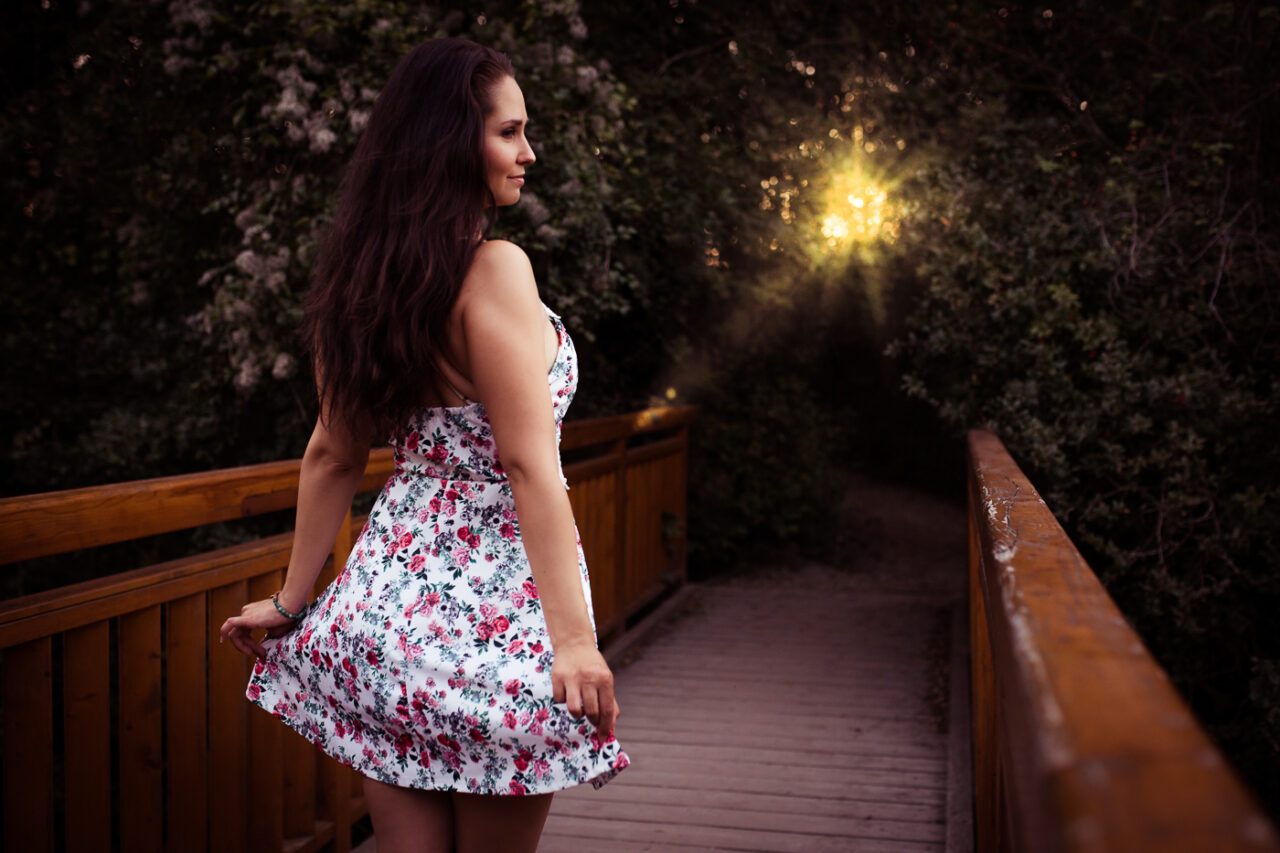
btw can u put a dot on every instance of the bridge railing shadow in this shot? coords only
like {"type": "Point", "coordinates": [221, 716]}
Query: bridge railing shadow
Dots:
{"type": "Point", "coordinates": [124, 719]}
{"type": "Point", "coordinates": [1080, 741]}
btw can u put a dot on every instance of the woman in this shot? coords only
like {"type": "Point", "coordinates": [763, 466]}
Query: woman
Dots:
{"type": "Point", "coordinates": [453, 661]}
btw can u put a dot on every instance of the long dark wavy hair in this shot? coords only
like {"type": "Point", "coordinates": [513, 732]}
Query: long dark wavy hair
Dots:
{"type": "Point", "coordinates": [413, 207]}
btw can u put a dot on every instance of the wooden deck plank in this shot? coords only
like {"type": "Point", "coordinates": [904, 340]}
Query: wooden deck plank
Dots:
{"type": "Point", "coordinates": [775, 718]}
{"type": "Point", "coordinates": [929, 830]}
{"type": "Point", "coordinates": [732, 743]}
{"type": "Point", "coordinates": [612, 830]}
{"type": "Point", "coordinates": [585, 801]}
{"type": "Point", "coordinates": [552, 843]}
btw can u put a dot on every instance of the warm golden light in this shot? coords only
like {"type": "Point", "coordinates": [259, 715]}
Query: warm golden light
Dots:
{"type": "Point", "coordinates": [860, 211]}
{"type": "Point", "coordinates": [835, 228]}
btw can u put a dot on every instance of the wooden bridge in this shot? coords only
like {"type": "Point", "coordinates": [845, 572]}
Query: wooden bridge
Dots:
{"type": "Point", "coordinates": [811, 708]}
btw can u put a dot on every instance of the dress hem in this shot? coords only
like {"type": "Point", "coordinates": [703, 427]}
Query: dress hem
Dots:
{"type": "Point", "coordinates": [598, 781]}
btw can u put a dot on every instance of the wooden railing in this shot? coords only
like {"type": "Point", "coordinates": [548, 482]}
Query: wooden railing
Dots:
{"type": "Point", "coordinates": [1080, 741]}
{"type": "Point", "coordinates": [124, 720]}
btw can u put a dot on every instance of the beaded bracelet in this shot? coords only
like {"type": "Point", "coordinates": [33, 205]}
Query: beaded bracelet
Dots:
{"type": "Point", "coordinates": [275, 599]}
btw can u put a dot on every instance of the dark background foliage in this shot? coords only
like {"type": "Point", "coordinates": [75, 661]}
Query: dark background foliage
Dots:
{"type": "Point", "coordinates": [1080, 259]}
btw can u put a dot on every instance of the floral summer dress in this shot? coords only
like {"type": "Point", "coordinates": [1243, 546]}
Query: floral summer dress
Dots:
{"type": "Point", "coordinates": [426, 662]}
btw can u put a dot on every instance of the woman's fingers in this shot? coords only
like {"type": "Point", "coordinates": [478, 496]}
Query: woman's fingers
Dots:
{"type": "Point", "coordinates": [241, 638]}
{"type": "Point", "coordinates": [238, 639]}
{"type": "Point", "coordinates": [591, 703]}
{"type": "Point", "coordinates": [255, 614]}
{"type": "Point", "coordinates": [608, 711]}
{"type": "Point", "coordinates": [573, 698]}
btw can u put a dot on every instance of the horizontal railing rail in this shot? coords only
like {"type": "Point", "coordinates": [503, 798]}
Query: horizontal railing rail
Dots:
{"type": "Point", "coordinates": [118, 684]}
{"type": "Point", "coordinates": [1080, 740]}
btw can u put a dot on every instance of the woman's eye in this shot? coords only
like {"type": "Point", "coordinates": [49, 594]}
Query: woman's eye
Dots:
{"type": "Point", "coordinates": [509, 133]}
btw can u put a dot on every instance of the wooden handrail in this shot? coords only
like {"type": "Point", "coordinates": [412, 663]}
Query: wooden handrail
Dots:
{"type": "Point", "coordinates": [1080, 740]}
{"type": "Point", "coordinates": [56, 522]}
{"type": "Point", "coordinates": [183, 763]}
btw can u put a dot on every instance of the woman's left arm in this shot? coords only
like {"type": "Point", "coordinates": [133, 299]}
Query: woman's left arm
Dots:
{"type": "Point", "coordinates": [332, 468]}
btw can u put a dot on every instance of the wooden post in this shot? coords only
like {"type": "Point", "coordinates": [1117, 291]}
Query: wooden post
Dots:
{"type": "Point", "coordinates": [265, 824]}
{"type": "Point", "coordinates": [186, 702]}
{"type": "Point", "coordinates": [983, 705]}
{"type": "Point", "coordinates": [141, 786]}
{"type": "Point", "coordinates": [622, 580]}
{"type": "Point", "coordinates": [28, 745]}
{"type": "Point", "coordinates": [86, 732]}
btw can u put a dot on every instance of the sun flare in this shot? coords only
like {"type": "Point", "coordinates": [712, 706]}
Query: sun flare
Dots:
{"type": "Point", "coordinates": [859, 211]}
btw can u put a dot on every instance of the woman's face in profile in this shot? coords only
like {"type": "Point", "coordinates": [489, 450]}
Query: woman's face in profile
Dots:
{"type": "Point", "coordinates": [506, 150]}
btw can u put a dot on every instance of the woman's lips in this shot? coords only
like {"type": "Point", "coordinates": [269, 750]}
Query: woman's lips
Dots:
{"type": "Point", "coordinates": [519, 179]}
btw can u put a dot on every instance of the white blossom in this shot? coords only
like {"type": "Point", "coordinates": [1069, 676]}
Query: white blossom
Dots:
{"type": "Point", "coordinates": [190, 12]}
{"type": "Point", "coordinates": [175, 65]}
{"type": "Point", "coordinates": [283, 366]}
{"type": "Point", "coordinates": [587, 77]}
{"type": "Point", "coordinates": [247, 378]}
{"type": "Point", "coordinates": [250, 262]}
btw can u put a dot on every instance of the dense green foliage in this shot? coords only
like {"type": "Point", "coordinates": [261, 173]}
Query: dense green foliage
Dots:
{"type": "Point", "coordinates": [180, 164]}
{"type": "Point", "coordinates": [1073, 250]}
{"type": "Point", "coordinates": [1101, 292]}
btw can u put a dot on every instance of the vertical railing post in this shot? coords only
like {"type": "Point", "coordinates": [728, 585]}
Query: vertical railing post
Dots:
{"type": "Point", "coordinates": [28, 741]}
{"type": "Point", "coordinates": [622, 584]}
{"type": "Point", "coordinates": [682, 506]}
{"type": "Point", "coordinates": [983, 702]}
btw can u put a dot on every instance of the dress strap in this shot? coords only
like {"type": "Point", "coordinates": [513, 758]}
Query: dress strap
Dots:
{"type": "Point", "coordinates": [463, 397]}
{"type": "Point", "coordinates": [454, 388]}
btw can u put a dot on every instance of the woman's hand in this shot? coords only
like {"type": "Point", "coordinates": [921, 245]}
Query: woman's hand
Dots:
{"type": "Point", "coordinates": [581, 679]}
{"type": "Point", "coordinates": [255, 614]}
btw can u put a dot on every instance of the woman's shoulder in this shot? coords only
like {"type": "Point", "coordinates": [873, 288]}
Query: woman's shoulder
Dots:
{"type": "Point", "coordinates": [499, 270]}
{"type": "Point", "coordinates": [499, 255]}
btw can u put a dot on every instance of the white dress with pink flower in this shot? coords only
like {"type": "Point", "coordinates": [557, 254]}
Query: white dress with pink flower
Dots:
{"type": "Point", "coordinates": [426, 663]}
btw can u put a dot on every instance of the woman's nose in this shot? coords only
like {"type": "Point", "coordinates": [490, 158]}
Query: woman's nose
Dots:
{"type": "Point", "coordinates": [527, 156]}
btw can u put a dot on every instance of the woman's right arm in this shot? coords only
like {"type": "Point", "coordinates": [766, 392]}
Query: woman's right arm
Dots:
{"type": "Point", "coordinates": [504, 325]}
{"type": "Point", "coordinates": [332, 468]}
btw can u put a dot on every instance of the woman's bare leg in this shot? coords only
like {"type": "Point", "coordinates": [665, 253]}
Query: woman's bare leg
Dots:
{"type": "Point", "coordinates": [486, 822]}
{"type": "Point", "coordinates": [409, 820]}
